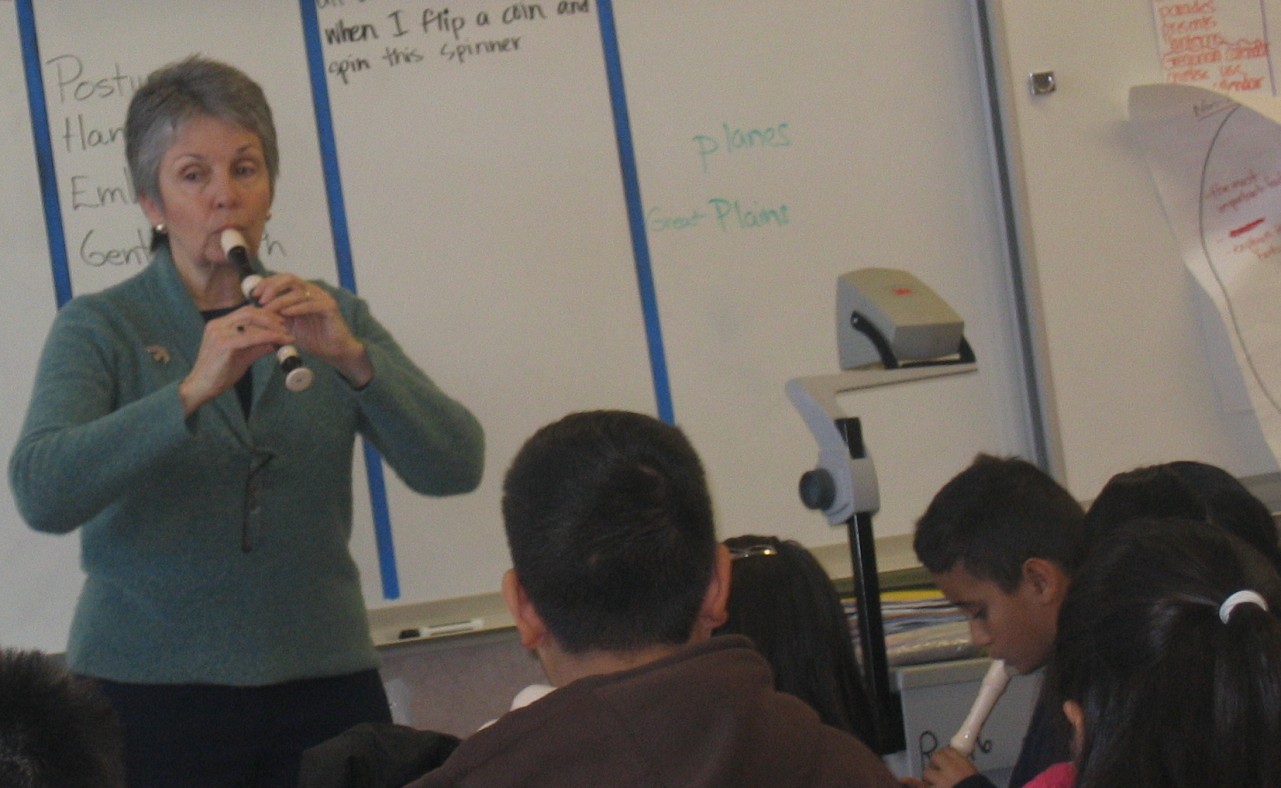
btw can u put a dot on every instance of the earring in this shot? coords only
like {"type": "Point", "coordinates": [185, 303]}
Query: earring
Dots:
{"type": "Point", "coordinates": [160, 228]}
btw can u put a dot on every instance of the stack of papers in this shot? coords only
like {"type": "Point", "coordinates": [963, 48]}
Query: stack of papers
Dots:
{"type": "Point", "coordinates": [920, 626]}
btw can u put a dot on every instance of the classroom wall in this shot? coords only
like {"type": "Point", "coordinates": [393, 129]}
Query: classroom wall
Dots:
{"type": "Point", "coordinates": [457, 684]}
{"type": "Point", "coordinates": [1134, 363]}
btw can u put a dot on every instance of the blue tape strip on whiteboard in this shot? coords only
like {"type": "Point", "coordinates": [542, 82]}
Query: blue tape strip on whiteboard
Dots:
{"type": "Point", "coordinates": [347, 278]}
{"type": "Point", "coordinates": [635, 213]}
{"type": "Point", "coordinates": [44, 152]}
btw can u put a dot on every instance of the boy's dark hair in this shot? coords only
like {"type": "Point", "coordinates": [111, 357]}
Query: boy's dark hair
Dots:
{"type": "Point", "coordinates": [609, 523]}
{"type": "Point", "coordinates": [995, 515]}
{"type": "Point", "coordinates": [56, 730]}
{"type": "Point", "coordinates": [783, 599]}
{"type": "Point", "coordinates": [1171, 693]}
{"type": "Point", "coordinates": [1186, 489]}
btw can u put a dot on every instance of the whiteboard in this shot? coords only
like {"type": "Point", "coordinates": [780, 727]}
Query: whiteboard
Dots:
{"type": "Point", "coordinates": [883, 169]}
{"type": "Point", "coordinates": [487, 218]}
{"type": "Point", "coordinates": [41, 573]}
{"type": "Point", "coordinates": [1129, 364]}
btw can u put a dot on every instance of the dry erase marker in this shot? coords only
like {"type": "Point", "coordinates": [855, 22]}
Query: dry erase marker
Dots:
{"type": "Point", "coordinates": [436, 630]}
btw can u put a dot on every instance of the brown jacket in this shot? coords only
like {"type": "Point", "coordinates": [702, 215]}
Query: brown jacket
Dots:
{"type": "Point", "coordinates": [707, 716]}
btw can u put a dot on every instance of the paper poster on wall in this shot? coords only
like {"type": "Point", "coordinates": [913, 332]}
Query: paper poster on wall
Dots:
{"type": "Point", "coordinates": [1222, 45]}
{"type": "Point", "coordinates": [1216, 162]}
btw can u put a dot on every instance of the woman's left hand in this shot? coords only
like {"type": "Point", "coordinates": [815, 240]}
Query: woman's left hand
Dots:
{"type": "Point", "coordinates": [312, 316]}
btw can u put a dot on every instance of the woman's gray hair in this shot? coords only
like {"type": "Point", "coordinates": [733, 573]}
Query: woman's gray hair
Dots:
{"type": "Point", "coordinates": [187, 89]}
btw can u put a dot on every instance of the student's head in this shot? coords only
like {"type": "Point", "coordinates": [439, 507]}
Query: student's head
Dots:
{"type": "Point", "coordinates": [56, 730]}
{"type": "Point", "coordinates": [1166, 684]}
{"type": "Point", "coordinates": [609, 522]}
{"type": "Point", "coordinates": [1186, 489]}
{"type": "Point", "coordinates": [781, 598]}
{"type": "Point", "coordinates": [1001, 540]}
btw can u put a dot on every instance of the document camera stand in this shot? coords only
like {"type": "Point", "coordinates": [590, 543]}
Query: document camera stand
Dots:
{"type": "Point", "coordinates": [894, 329]}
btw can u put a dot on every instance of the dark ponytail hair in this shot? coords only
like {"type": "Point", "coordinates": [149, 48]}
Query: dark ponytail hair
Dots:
{"type": "Point", "coordinates": [782, 598]}
{"type": "Point", "coordinates": [1171, 695]}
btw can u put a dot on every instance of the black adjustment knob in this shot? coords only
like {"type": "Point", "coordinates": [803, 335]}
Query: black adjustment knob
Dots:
{"type": "Point", "coordinates": [817, 489]}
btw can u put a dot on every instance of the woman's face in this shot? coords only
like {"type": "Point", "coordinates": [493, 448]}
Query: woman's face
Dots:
{"type": "Point", "coordinates": [213, 176]}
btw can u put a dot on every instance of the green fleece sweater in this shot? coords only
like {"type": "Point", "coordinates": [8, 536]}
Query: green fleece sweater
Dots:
{"type": "Point", "coordinates": [215, 548]}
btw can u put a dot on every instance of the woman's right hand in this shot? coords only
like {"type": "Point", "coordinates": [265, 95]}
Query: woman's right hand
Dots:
{"type": "Point", "coordinates": [231, 344]}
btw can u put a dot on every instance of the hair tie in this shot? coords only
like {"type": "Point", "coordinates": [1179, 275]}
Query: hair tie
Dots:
{"type": "Point", "coordinates": [1240, 598]}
